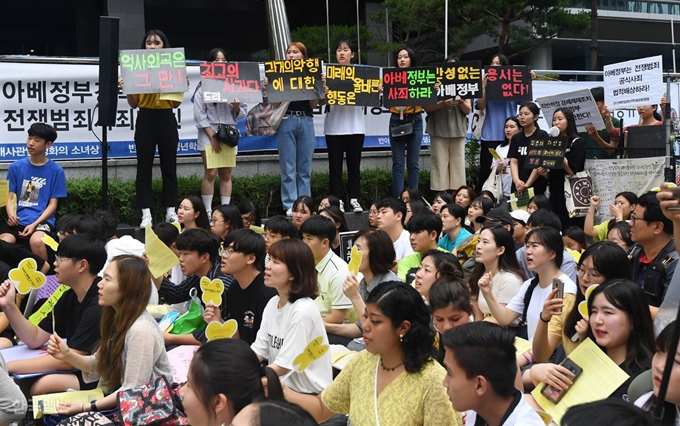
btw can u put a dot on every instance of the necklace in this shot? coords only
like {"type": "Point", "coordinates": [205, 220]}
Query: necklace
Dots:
{"type": "Point", "coordinates": [389, 369]}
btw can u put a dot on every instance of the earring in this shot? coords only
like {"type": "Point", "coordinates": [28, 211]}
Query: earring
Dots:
{"type": "Point", "coordinates": [401, 337]}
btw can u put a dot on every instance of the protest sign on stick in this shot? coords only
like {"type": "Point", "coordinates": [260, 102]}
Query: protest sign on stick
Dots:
{"type": "Point", "coordinates": [226, 81]}
{"type": "Point", "coordinates": [462, 79]}
{"type": "Point", "coordinates": [508, 84]}
{"type": "Point", "coordinates": [153, 71]}
{"type": "Point", "coordinates": [353, 85]}
{"type": "Point", "coordinates": [580, 102]}
{"type": "Point", "coordinates": [633, 83]}
{"type": "Point", "coordinates": [294, 80]}
{"type": "Point", "coordinates": [409, 86]}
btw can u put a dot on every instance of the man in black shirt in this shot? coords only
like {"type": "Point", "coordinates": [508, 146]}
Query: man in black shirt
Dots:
{"type": "Point", "coordinates": [243, 258]}
{"type": "Point", "coordinates": [77, 314]}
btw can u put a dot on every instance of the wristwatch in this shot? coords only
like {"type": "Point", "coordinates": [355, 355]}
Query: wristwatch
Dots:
{"type": "Point", "coordinates": [93, 405]}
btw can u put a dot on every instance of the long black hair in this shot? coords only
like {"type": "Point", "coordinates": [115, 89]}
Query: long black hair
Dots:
{"type": "Point", "coordinates": [515, 120]}
{"type": "Point", "coordinates": [158, 33]}
{"type": "Point", "coordinates": [400, 302]}
{"type": "Point", "coordinates": [534, 109]}
{"type": "Point", "coordinates": [571, 132]}
{"type": "Point", "coordinates": [411, 56]}
{"type": "Point", "coordinates": [552, 241]}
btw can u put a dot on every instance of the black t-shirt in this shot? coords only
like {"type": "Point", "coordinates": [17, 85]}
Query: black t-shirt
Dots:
{"type": "Point", "coordinates": [518, 150]}
{"type": "Point", "coordinates": [79, 322]}
{"type": "Point", "coordinates": [576, 156]}
{"type": "Point", "coordinates": [300, 106]}
{"type": "Point", "coordinates": [246, 306]}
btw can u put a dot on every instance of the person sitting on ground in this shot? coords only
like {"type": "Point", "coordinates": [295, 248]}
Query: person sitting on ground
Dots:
{"type": "Point", "coordinates": [274, 412]}
{"type": "Point", "coordinates": [225, 219]}
{"type": "Point", "coordinates": [129, 334]}
{"type": "Point", "coordinates": [538, 202]}
{"type": "Point", "coordinates": [76, 315]}
{"type": "Point", "coordinates": [198, 257]}
{"type": "Point", "coordinates": [450, 304]}
{"type": "Point", "coordinates": [278, 228]}
{"type": "Point", "coordinates": [480, 376]}
{"type": "Point", "coordinates": [519, 228]}
{"type": "Point", "coordinates": [453, 218]}
{"type": "Point", "coordinates": [36, 184]}
{"type": "Point", "coordinates": [391, 213]}
{"type": "Point", "coordinates": [434, 264]}
{"type": "Point", "coordinates": [318, 233]}
{"type": "Point", "coordinates": [424, 229]}
{"type": "Point", "coordinates": [192, 214]}
{"type": "Point", "coordinates": [243, 258]}
{"type": "Point", "coordinates": [575, 240]}
{"type": "Point", "coordinates": [623, 206]}
{"type": "Point", "coordinates": [333, 213]}
{"type": "Point", "coordinates": [414, 207]}
{"type": "Point", "coordinates": [13, 404]}
{"type": "Point", "coordinates": [250, 213]}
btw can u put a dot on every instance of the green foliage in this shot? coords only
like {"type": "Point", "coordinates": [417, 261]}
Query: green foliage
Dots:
{"type": "Point", "coordinates": [472, 161]}
{"type": "Point", "coordinates": [315, 40]}
{"type": "Point", "coordinates": [518, 26]}
{"type": "Point", "coordinates": [84, 195]}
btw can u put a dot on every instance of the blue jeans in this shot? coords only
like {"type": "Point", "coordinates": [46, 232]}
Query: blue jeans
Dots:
{"type": "Point", "coordinates": [296, 149]}
{"type": "Point", "coordinates": [408, 147]}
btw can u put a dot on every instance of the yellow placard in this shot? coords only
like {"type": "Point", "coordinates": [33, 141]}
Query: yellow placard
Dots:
{"type": "Point", "coordinates": [48, 306]}
{"type": "Point", "coordinates": [599, 378]}
{"type": "Point", "coordinates": [495, 154]}
{"type": "Point", "coordinates": [521, 346]}
{"type": "Point", "coordinates": [312, 352]}
{"type": "Point", "coordinates": [4, 192]}
{"type": "Point", "coordinates": [172, 96]}
{"type": "Point", "coordinates": [354, 261]}
{"type": "Point", "coordinates": [583, 309]}
{"type": "Point", "coordinates": [50, 242]}
{"type": "Point", "coordinates": [47, 404]}
{"type": "Point", "coordinates": [225, 158]}
{"type": "Point", "coordinates": [212, 291]}
{"type": "Point", "coordinates": [161, 258]}
{"type": "Point", "coordinates": [215, 330]}
{"type": "Point", "coordinates": [26, 276]}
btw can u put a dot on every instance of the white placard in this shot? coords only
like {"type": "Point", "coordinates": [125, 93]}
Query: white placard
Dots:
{"type": "Point", "coordinates": [634, 83]}
{"type": "Point", "coordinates": [582, 104]}
{"type": "Point", "coordinates": [637, 175]}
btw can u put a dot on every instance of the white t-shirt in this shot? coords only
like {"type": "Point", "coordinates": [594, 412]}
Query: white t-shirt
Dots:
{"type": "Point", "coordinates": [344, 120]}
{"type": "Point", "coordinates": [523, 414]}
{"type": "Point", "coordinates": [402, 246]}
{"type": "Point", "coordinates": [285, 334]}
{"type": "Point", "coordinates": [536, 302]}
{"type": "Point", "coordinates": [504, 286]}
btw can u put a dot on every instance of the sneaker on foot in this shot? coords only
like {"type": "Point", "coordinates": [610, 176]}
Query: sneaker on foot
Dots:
{"type": "Point", "coordinates": [342, 206]}
{"type": "Point", "coordinates": [356, 207]}
{"type": "Point", "coordinates": [171, 218]}
{"type": "Point", "coordinates": [289, 212]}
{"type": "Point", "coordinates": [146, 220]}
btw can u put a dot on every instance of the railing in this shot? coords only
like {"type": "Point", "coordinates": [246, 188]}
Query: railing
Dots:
{"type": "Point", "coordinates": [668, 7]}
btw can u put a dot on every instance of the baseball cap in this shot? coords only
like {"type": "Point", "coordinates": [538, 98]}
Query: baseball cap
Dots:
{"type": "Point", "coordinates": [521, 215]}
{"type": "Point", "coordinates": [497, 215]}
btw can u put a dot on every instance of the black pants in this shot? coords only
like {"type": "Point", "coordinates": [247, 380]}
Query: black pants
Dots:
{"type": "Point", "coordinates": [485, 159]}
{"type": "Point", "coordinates": [156, 127]}
{"type": "Point", "coordinates": [352, 146]}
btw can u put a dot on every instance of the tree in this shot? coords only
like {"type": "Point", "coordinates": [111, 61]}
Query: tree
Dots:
{"type": "Point", "coordinates": [316, 40]}
{"type": "Point", "coordinates": [516, 26]}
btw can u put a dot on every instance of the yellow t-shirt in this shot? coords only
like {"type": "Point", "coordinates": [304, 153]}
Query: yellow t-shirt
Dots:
{"type": "Point", "coordinates": [601, 230]}
{"type": "Point", "coordinates": [407, 110]}
{"type": "Point", "coordinates": [410, 400]}
{"type": "Point", "coordinates": [153, 101]}
{"type": "Point", "coordinates": [556, 325]}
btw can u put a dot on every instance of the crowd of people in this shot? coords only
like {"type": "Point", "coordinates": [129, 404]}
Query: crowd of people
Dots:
{"type": "Point", "coordinates": [441, 291]}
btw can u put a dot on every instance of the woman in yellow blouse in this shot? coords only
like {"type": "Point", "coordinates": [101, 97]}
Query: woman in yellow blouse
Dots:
{"type": "Point", "coordinates": [396, 380]}
{"type": "Point", "coordinates": [156, 126]}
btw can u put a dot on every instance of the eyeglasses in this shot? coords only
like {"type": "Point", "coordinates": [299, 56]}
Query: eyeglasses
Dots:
{"type": "Point", "coordinates": [58, 259]}
{"type": "Point", "coordinates": [213, 221]}
{"type": "Point", "coordinates": [373, 212]}
{"type": "Point", "coordinates": [594, 276]}
{"type": "Point", "coordinates": [226, 252]}
{"type": "Point", "coordinates": [633, 218]}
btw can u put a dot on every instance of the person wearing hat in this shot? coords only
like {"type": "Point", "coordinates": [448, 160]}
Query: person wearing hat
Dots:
{"type": "Point", "coordinates": [499, 216]}
{"type": "Point", "coordinates": [520, 219]}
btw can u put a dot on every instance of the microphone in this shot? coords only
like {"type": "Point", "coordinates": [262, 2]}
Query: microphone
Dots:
{"type": "Point", "coordinates": [554, 131]}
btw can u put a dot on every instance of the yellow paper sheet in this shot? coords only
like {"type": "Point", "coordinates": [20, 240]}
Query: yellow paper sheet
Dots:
{"type": "Point", "coordinates": [47, 404]}
{"type": "Point", "coordinates": [158, 311]}
{"type": "Point", "coordinates": [4, 192]}
{"type": "Point", "coordinates": [174, 96]}
{"type": "Point", "coordinates": [495, 154]}
{"type": "Point", "coordinates": [600, 377]}
{"type": "Point", "coordinates": [521, 345]}
{"type": "Point", "coordinates": [226, 157]}
{"type": "Point", "coordinates": [161, 258]}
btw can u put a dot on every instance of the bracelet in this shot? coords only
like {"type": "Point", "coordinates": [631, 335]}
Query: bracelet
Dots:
{"type": "Point", "coordinates": [541, 317]}
{"type": "Point", "coordinates": [82, 407]}
{"type": "Point", "coordinates": [530, 359]}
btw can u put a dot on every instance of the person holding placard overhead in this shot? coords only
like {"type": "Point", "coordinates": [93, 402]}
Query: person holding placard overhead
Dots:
{"type": "Point", "coordinates": [447, 125]}
{"type": "Point", "coordinates": [208, 116]}
{"type": "Point", "coordinates": [406, 147]}
{"type": "Point", "coordinates": [296, 142]}
{"type": "Point", "coordinates": [156, 127]}
{"type": "Point", "coordinates": [494, 123]}
{"type": "Point", "coordinates": [601, 144]}
{"type": "Point", "coordinates": [345, 129]}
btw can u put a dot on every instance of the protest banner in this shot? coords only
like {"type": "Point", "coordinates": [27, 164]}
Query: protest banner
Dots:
{"type": "Point", "coordinates": [508, 84]}
{"type": "Point", "coordinates": [613, 176]}
{"type": "Point", "coordinates": [226, 81]}
{"type": "Point", "coordinates": [353, 85]}
{"type": "Point", "coordinates": [462, 79]}
{"type": "Point", "coordinates": [409, 86]}
{"type": "Point", "coordinates": [294, 80]}
{"type": "Point", "coordinates": [581, 103]}
{"type": "Point", "coordinates": [153, 70]}
{"type": "Point", "coordinates": [645, 141]}
{"type": "Point", "coordinates": [633, 83]}
{"type": "Point", "coordinates": [346, 243]}
{"type": "Point", "coordinates": [547, 153]}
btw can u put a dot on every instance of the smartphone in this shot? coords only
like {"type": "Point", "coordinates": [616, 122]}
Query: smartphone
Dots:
{"type": "Point", "coordinates": [676, 196]}
{"type": "Point", "coordinates": [559, 285]}
{"type": "Point", "coordinates": [555, 395]}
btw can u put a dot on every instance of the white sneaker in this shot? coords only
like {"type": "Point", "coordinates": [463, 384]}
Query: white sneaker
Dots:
{"type": "Point", "coordinates": [146, 220]}
{"type": "Point", "coordinates": [171, 218]}
{"type": "Point", "coordinates": [356, 207]}
{"type": "Point", "coordinates": [342, 206]}
{"type": "Point", "coordinates": [289, 212]}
